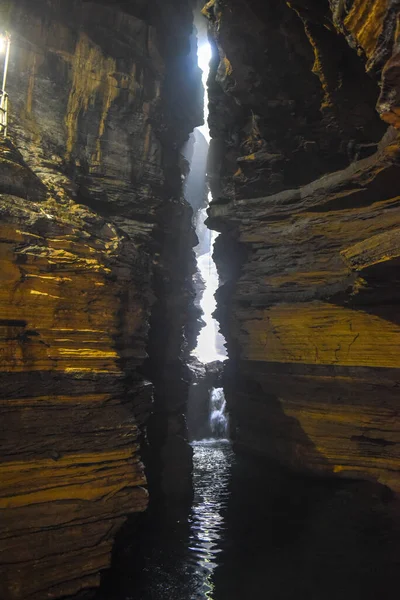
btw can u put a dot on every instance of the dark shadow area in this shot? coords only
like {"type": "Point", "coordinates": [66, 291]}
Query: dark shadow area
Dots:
{"type": "Point", "coordinates": [290, 537]}
{"type": "Point", "coordinates": [258, 421]}
{"type": "Point", "coordinates": [258, 531]}
{"type": "Point", "coordinates": [339, 407]}
{"type": "Point", "coordinates": [380, 293]}
{"type": "Point", "coordinates": [149, 560]}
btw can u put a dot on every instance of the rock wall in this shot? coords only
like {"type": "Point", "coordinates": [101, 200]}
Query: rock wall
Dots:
{"type": "Point", "coordinates": [91, 212]}
{"type": "Point", "coordinates": [306, 195]}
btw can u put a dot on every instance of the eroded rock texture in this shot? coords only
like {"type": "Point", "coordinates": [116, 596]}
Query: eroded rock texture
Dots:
{"type": "Point", "coordinates": [306, 186]}
{"type": "Point", "coordinates": [93, 231]}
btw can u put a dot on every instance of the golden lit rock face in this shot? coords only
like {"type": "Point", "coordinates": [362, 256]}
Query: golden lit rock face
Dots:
{"type": "Point", "coordinates": [64, 274]}
{"type": "Point", "coordinates": [364, 22]}
{"type": "Point", "coordinates": [372, 28]}
{"type": "Point", "coordinates": [50, 283]}
{"type": "Point", "coordinates": [78, 284]}
{"type": "Point", "coordinates": [314, 318]}
{"type": "Point", "coordinates": [309, 249]}
{"type": "Point", "coordinates": [321, 333]}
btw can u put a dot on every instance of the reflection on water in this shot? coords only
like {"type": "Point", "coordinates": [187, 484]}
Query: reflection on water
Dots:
{"type": "Point", "coordinates": [212, 463]}
{"type": "Point", "coordinates": [258, 532]}
{"type": "Point", "coordinates": [169, 558]}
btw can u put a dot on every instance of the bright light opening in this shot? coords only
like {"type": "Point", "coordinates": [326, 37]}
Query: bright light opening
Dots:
{"type": "Point", "coordinates": [210, 343]}
{"type": "Point", "coordinates": [203, 58]}
{"type": "Point", "coordinates": [204, 54]}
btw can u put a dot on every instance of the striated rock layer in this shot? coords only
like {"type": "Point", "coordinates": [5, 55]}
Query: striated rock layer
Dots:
{"type": "Point", "coordinates": [70, 468]}
{"type": "Point", "coordinates": [306, 188]}
{"type": "Point", "coordinates": [90, 211]}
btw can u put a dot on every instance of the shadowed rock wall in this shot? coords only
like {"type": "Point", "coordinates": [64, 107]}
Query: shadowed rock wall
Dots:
{"type": "Point", "coordinates": [306, 188]}
{"type": "Point", "coordinates": [91, 208]}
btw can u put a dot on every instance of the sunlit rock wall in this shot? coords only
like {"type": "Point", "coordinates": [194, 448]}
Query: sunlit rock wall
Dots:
{"type": "Point", "coordinates": [306, 187]}
{"type": "Point", "coordinates": [90, 200]}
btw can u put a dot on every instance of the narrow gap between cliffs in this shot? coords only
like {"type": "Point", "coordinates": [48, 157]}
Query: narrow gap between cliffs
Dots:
{"type": "Point", "coordinates": [254, 529]}
{"type": "Point", "coordinates": [207, 419]}
{"type": "Point", "coordinates": [206, 414]}
{"type": "Point", "coordinates": [172, 551]}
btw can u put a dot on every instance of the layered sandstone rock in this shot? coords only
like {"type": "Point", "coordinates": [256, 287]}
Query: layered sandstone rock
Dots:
{"type": "Point", "coordinates": [70, 468]}
{"type": "Point", "coordinates": [306, 197]}
{"type": "Point", "coordinates": [91, 212]}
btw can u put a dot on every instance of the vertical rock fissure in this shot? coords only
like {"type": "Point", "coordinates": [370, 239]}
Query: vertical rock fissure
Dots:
{"type": "Point", "coordinates": [210, 342]}
{"type": "Point", "coordinates": [168, 455]}
{"type": "Point", "coordinates": [210, 353]}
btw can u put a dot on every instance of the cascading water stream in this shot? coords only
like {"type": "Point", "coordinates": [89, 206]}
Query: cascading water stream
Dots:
{"type": "Point", "coordinates": [218, 416]}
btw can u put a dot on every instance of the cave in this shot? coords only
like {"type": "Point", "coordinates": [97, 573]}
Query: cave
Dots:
{"type": "Point", "coordinates": [199, 326]}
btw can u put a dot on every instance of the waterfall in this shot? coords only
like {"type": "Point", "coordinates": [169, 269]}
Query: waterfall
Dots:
{"type": "Point", "coordinates": [219, 422]}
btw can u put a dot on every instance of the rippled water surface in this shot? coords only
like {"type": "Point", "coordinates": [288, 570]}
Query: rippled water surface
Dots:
{"type": "Point", "coordinates": [212, 463]}
{"type": "Point", "coordinates": [182, 561]}
{"type": "Point", "coordinates": [258, 532]}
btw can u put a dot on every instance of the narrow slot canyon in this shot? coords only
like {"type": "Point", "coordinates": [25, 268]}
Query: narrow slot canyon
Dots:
{"type": "Point", "coordinates": [199, 332]}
